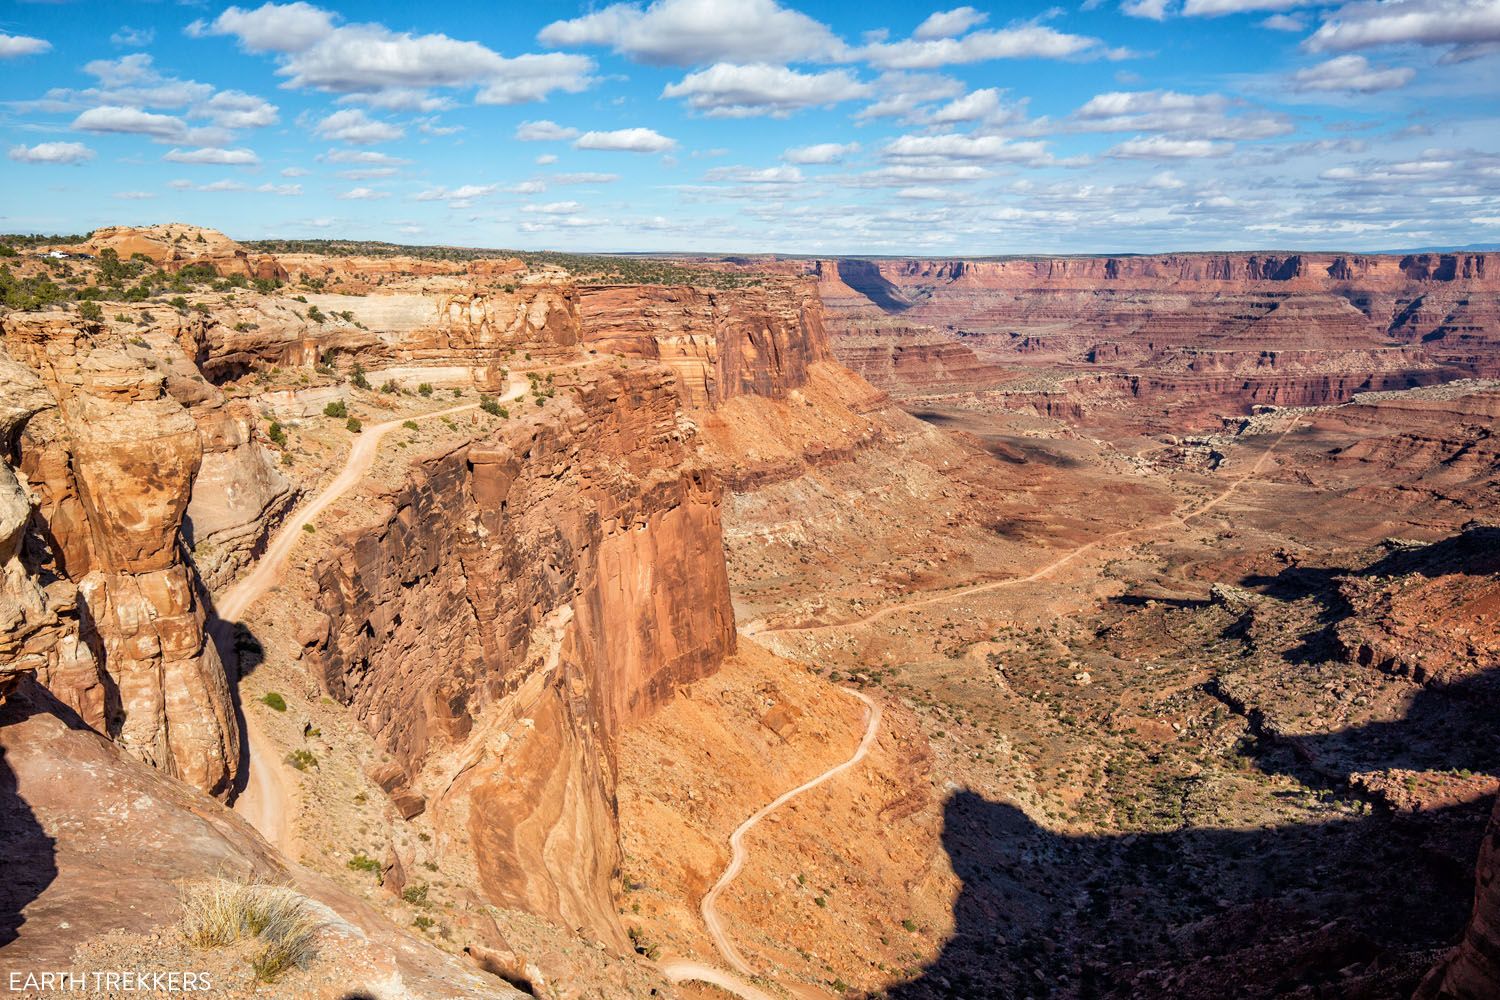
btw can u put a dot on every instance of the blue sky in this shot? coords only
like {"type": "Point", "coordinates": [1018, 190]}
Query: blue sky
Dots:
{"type": "Point", "coordinates": [753, 125]}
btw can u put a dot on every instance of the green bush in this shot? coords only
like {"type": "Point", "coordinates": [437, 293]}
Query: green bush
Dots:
{"type": "Point", "coordinates": [314, 313]}
{"type": "Point", "coordinates": [357, 376]}
{"type": "Point", "coordinates": [272, 699]}
{"type": "Point", "coordinates": [491, 405]}
{"type": "Point", "coordinates": [390, 386]}
{"type": "Point", "coordinates": [277, 433]}
{"type": "Point", "coordinates": [91, 312]}
{"type": "Point", "coordinates": [364, 863]}
{"type": "Point", "coordinates": [410, 425]}
{"type": "Point", "coordinates": [353, 425]}
{"type": "Point", "coordinates": [416, 894]}
{"type": "Point", "coordinates": [337, 408]}
{"type": "Point", "coordinates": [301, 759]}
{"type": "Point", "coordinates": [425, 389]}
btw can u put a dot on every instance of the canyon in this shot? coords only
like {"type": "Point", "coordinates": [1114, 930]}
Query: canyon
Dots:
{"type": "Point", "coordinates": [870, 627]}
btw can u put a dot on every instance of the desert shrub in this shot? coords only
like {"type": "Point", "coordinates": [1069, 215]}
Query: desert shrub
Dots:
{"type": "Point", "coordinates": [302, 759]}
{"type": "Point", "coordinates": [410, 425]}
{"type": "Point", "coordinates": [425, 389]}
{"type": "Point", "coordinates": [314, 313]}
{"type": "Point", "coordinates": [310, 529]}
{"type": "Point", "coordinates": [364, 863]}
{"type": "Point", "coordinates": [217, 913]}
{"type": "Point", "coordinates": [353, 425]}
{"type": "Point", "coordinates": [491, 405]}
{"type": "Point", "coordinates": [91, 311]}
{"type": "Point", "coordinates": [337, 408]}
{"type": "Point", "coordinates": [357, 376]}
{"type": "Point", "coordinates": [277, 433]}
{"type": "Point", "coordinates": [416, 894]}
{"type": "Point", "coordinates": [272, 699]}
{"type": "Point", "coordinates": [390, 386]}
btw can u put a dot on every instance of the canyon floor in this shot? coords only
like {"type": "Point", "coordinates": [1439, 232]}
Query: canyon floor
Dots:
{"type": "Point", "coordinates": [768, 628]}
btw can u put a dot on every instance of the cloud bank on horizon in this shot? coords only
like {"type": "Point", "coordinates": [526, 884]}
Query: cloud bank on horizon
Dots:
{"type": "Point", "coordinates": [757, 125]}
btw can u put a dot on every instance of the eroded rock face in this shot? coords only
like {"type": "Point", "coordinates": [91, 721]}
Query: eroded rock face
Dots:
{"type": "Point", "coordinates": [1472, 971]}
{"type": "Point", "coordinates": [524, 596]}
{"type": "Point", "coordinates": [755, 341]}
{"type": "Point", "coordinates": [110, 463]}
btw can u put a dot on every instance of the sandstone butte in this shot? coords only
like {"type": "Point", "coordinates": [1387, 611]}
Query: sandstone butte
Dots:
{"type": "Point", "coordinates": [1097, 627]}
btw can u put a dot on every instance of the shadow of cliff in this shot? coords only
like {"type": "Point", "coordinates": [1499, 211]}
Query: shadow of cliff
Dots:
{"type": "Point", "coordinates": [1357, 905]}
{"type": "Point", "coordinates": [28, 858]}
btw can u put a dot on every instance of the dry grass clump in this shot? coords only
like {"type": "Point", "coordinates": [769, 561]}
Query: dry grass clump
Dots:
{"type": "Point", "coordinates": [218, 912]}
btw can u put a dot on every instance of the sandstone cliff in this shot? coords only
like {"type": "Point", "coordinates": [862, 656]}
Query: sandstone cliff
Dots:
{"type": "Point", "coordinates": [755, 341]}
{"type": "Point", "coordinates": [515, 603]}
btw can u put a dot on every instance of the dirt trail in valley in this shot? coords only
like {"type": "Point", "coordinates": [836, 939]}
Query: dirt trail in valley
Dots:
{"type": "Point", "coordinates": [266, 799]}
{"type": "Point", "coordinates": [678, 971]}
{"type": "Point", "coordinates": [1178, 519]}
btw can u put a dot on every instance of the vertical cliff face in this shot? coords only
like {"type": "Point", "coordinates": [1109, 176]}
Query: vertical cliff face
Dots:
{"type": "Point", "coordinates": [108, 456]}
{"type": "Point", "coordinates": [520, 598]}
{"type": "Point", "coordinates": [1472, 972]}
{"type": "Point", "coordinates": [752, 341]}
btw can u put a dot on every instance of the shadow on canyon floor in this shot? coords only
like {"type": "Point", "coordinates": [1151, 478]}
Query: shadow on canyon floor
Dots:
{"type": "Point", "coordinates": [1296, 910]}
{"type": "Point", "coordinates": [27, 855]}
{"type": "Point", "coordinates": [1356, 905]}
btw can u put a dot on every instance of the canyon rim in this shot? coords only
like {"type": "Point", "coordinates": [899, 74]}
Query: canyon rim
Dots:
{"type": "Point", "coordinates": [856, 502]}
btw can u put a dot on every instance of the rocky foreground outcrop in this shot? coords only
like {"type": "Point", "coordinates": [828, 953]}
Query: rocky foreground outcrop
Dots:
{"type": "Point", "coordinates": [111, 440]}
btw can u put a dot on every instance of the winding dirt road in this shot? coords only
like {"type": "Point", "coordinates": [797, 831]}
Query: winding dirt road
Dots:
{"type": "Point", "coordinates": [266, 796]}
{"type": "Point", "coordinates": [677, 971]}
{"type": "Point", "coordinates": [758, 628]}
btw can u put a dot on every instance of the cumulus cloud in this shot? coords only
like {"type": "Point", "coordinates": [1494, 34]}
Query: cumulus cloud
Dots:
{"type": "Point", "coordinates": [1204, 116]}
{"type": "Point", "coordinates": [960, 146]}
{"type": "Point", "coordinates": [820, 153]}
{"type": "Point", "coordinates": [52, 152]}
{"type": "Point", "coordinates": [727, 90]}
{"type": "Point", "coordinates": [1219, 8]}
{"type": "Point", "coordinates": [214, 156]}
{"type": "Point", "coordinates": [685, 32]}
{"type": "Point", "coordinates": [133, 37]}
{"type": "Point", "coordinates": [1159, 147]}
{"type": "Point", "coordinates": [544, 131]}
{"type": "Point", "coordinates": [949, 23]}
{"type": "Point", "coordinates": [1470, 27]}
{"type": "Point", "coordinates": [15, 46]}
{"type": "Point", "coordinates": [584, 177]}
{"type": "Point", "coordinates": [627, 140]}
{"type": "Point", "coordinates": [1023, 41]}
{"type": "Point", "coordinates": [1154, 10]}
{"type": "Point", "coordinates": [756, 175]}
{"type": "Point", "coordinates": [314, 50]}
{"type": "Point", "coordinates": [355, 127]}
{"type": "Point", "coordinates": [458, 197]}
{"type": "Point", "coordinates": [363, 194]}
{"type": "Point", "coordinates": [131, 121]}
{"type": "Point", "coordinates": [900, 95]}
{"type": "Point", "coordinates": [235, 109]}
{"type": "Point", "coordinates": [553, 208]}
{"type": "Point", "coordinates": [1284, 22]}
{"type": "Point", "coordinates": [976, 106]}
{"type": "Point", "coordinates": [1351, 73]}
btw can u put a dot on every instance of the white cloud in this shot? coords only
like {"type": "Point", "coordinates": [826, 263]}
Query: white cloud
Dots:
{"type": "Point", "coordinates": [527, 187]}
{"type": "Point", "coordinates": [820, 153]}
{"type": "Point", "coordinates": [458, 197]}
{"type": "Point", "coordinates": [629, 140]}
{"type": "Point", "coordinates": [1158, 147]}
{"type": "Point", "coordinates": [546, 159]}
{"type": "Point", "coordinates": [1025, 41]}
{"type": "Point", "coordinates": [235, 109]}
{"type": "Point", "coordinates": [389, 68]}
{"type": "Point", "coordinates": [949, 23]}
{"type": "Point", "coordinates": [583, 177]}
{"type": "Point", "coordinates": [544, 131]}
{"type": "Point", "coordinates": [1351, 73]}
{"type": "Point", "coordinates": [1284, 22]}
{"type": "Point", "coordinates": [752, 175]}
{"type": "Point", "coordinates": [133, 195]}
{"type": "Point", "coordinates": [133, 37]}
{"type": "Point", "coordinates": [15, 46]}
{"type": "Point", "coordinates": [979, 105]}
{"type": "Point", "coordinates": [959, 146]}
{"type": "Point", "coordinates": [553, 208]}
{"type": "Point", "coordinates": [1154, 10]}
{"type": "Point", "coordinates": [363, 194]}
{"type": "Point", "coordinates": [353, 126]}
{"type": "Point", "coordinates": [726, 90]}
{"type": "Point", "coordinates": [130, 121]}
{"type": "Point", "coordinates": [214, 157]}
{"type": "Point", "coordinates": [685, 32]}
{"type": "Point", "coordinates": [369, 157]}
{"type": "Point", "coordinates": [272, 27]}
{"type": "Point", "coordinates": [901, 94]}
{"type": "Point", "coordinates": [1471, 27]}
{"type": "Point", "coordinates": [1202, 116]}
{"type": "Point", "coordinates": [52, 152]}
{"type": "Point", "coordinates": [294, 172]}
{"type": "Point", "coordinates": [283, 190]}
